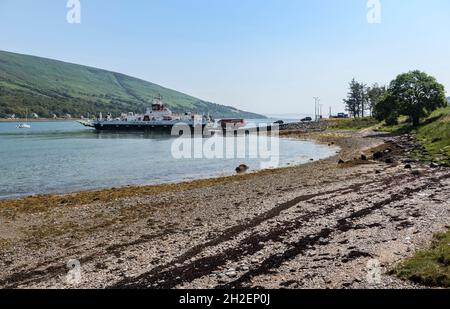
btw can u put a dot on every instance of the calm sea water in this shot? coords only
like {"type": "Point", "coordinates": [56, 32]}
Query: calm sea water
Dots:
{"type": "Point", "coordinates": [59, 157]}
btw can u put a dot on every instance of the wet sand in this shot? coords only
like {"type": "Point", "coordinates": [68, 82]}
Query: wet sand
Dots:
{"type": "Point", "coordinates": [318, 225]}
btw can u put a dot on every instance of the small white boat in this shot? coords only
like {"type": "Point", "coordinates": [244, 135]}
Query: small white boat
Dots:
{"type": "Point", "coordinates": [23, 126]}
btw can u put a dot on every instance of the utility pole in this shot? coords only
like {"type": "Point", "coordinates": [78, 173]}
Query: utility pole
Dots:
{"type": "Point", "coordinates": [316, 107]}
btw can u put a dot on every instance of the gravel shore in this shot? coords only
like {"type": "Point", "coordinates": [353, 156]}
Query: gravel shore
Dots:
{"type": "Point", "coordinates": [320, 225]}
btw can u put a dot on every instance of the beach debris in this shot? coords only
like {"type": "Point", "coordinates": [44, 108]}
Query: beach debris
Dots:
{"type": "Point", "coordinates": [242, 168]}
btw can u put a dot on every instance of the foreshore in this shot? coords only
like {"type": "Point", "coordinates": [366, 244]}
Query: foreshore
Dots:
{"type": "Point", "coordinates": [317, 225]}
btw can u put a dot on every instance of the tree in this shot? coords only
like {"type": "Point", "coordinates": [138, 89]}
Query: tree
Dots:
{"type": "Point", "coordinates": [375, 94]}
{"type": "Point", "coordinates": [351, 104]}
{"type": "Point", "coordinates": [416, 94]}
{"type": "Point", "coordinates": [357, 99]}
{"type": "Point", "coordinates": [387, 109]}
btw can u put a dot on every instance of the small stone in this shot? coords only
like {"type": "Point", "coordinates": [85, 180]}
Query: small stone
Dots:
{"type": "Point", "coordinates": [322, 240]}
{"type": "Point", "coordinates": [231, 274]}
{"type": "Point", "coordinates": [242, 168]}
{"type": "Point", "coordinates": [416, 173]}
{"type": "Point", "coordinates": [408, 166]}
{"type": "Point", "coordinates": [377, 155]}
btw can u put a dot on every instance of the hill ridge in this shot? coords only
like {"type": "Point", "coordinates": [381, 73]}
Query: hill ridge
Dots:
{"type": "Point", "coordinates": [53, 87]}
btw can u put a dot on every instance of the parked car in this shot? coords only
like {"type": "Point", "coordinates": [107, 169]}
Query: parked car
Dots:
{"type": "Point", "coordinates": [307, 119]}
{"type": "Point", "coordinates": [280, 122]}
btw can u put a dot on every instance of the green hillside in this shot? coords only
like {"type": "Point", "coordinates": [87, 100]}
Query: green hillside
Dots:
{"type": "Point", "coordinates": [48, 87]}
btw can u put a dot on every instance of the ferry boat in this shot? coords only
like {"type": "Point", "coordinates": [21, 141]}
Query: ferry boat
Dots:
{"type": "Point", "coordinates": [158, 118]}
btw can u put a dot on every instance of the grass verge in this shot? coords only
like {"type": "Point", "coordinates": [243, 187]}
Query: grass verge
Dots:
{"type": "Point", "coordinates": [352, 124]}
{"type": "Point", "coordinates": [433, 135]}
{"type": "Point", "coordinates": [430, 267]}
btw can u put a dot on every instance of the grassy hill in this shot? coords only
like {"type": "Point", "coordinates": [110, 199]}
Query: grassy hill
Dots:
{"type": "Point", "coordinates": [48, 87]}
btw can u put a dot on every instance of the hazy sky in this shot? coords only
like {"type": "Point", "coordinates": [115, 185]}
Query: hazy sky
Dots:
{"type": "Point", "coordinates": [267, 56]}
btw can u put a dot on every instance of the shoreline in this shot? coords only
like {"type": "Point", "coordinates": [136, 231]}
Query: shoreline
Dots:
{"type": "Point", "coordinates": [37, 120]}
{"type": "Point", "coordinates": [188, 183]}
{"type": "Point", "coordinates": [266, 229]}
